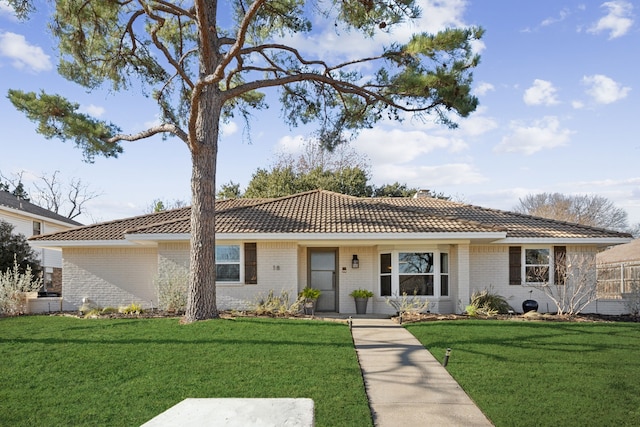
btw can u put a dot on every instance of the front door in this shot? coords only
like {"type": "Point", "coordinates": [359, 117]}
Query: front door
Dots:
{"type": "Point", "coordinates": [322, 276]}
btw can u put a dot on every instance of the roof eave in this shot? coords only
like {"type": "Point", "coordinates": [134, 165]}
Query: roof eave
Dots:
{"type": "Point", "coordinates": [601, 241]}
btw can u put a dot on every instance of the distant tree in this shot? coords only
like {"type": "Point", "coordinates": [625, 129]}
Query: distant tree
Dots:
{"type": "Point", "coordinates": [590, 210]}
{"type": "Point", "coordinates": [277, 182]}
{"type": "Point", "coordinates": [231, 190]}
{"type": "Point", "coordinates": [15, 247]}
{"type": "Point", "coordinates": [67, 200]}
{"type": "Point", "coordinates": [394, 190]}
{"type": "Point", "coordinates": [18, 187]}
{"type": "Point", "coordinates": [204, 61]}
{"type": "Point", "coordinates": [159, 205]}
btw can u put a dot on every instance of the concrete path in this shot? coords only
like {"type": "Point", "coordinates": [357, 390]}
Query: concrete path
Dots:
{"type": "Point", "coordinates": [405, 384]}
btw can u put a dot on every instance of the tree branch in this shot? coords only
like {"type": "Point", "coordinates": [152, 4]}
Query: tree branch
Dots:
{"type": "Point", "coordinates": [163, 128]}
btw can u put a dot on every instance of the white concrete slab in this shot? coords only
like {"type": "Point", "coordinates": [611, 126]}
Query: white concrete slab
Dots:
{"type": "Point", "coordinates": [237, 412]}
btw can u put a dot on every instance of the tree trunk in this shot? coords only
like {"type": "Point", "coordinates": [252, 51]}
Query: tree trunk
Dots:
{"type": "Point", "coordinates": [201, 294]}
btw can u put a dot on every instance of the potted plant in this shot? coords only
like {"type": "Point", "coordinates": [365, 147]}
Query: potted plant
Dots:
{"type": "Point", "coordinates": [309, 297]}
{"type": "Point", "coordinates": [361, 297]}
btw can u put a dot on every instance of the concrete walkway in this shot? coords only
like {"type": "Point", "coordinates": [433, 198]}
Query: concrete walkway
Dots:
{"type": "Point", "coordinates": [405, 384]}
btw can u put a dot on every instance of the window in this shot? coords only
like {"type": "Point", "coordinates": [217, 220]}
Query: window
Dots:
{"type": "Point", "coordinates": [419, 273]}
{"type": "Point", "coordinates": [416, 273]}
{"type": "Point", "coordinates": [228, 263]}
{"type": "Point", "coordinates": [385, 274]}
{"type": "Point", "coordinates": [37, 228]}
{"type": "Point", "coordinates": [250, 264]}
{"type": "Point", "coordinates": [536, 265]}
{"type": "Point", "coordinates": [444, 274]}
{"type": "Point", "coordinates": [237, 264]}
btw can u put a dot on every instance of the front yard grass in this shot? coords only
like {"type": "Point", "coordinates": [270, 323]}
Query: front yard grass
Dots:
{"type": "Point", "coordinates": [123, 372]}
{"type": "Point", "coordinates": [544, 374]}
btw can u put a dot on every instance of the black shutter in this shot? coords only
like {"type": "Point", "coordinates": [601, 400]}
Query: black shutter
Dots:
{"type": "Point", "coordinates": [515, 265]}
{"type": "Point", "coordinates": [250, 264]}
{"type": "Point", "coordinates": [560, 264]}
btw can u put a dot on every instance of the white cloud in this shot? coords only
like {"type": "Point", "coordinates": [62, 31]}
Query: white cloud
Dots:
{"type": "Point", "coordinates": [617, 21]}
{"type": "Point", "coordinates": [483, 88]}
{"type": "Point", "coordinates": [552, 20]}
{"type": "Point", "coordinates": [6, 10]}
{"type": "Point", "coordinates": [428, 176]}
{"type": "Point", "coordinates": [339, 43]}
{"type": "Point", "coordinates": [603, 89]}
{"type": "Point", "coordinates": [541, 93]}
{"type": "Point", "coordinates": [290, 144]}
{"type": "Point", "coordinates": [229, 128]}
{"type": "Point", "coordinates": [399, 146]}
{"type": "Point", "coordinates": [93, 110]}
{"type": "Point", "coordinates": [544, 134]}
{"type": "Point", "coordinates": [578, 105]}
{"type": "Point", "coordinates": [477, 123]}
{"type": "Point", "coordinates": [23, 54]}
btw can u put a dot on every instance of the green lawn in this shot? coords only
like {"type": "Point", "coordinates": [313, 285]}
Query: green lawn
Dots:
{"type": "Point", "coordinates": [123, 372]}
{"type": "Point", "coordinates": [543, 374]}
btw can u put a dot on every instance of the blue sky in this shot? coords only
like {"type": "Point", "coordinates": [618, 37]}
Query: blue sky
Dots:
{"type": "Point", "coordinates": [559, 101]}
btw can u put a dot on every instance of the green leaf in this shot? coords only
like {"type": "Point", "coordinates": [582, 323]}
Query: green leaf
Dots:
{"type": "Point", "coordinates": [56, 117]}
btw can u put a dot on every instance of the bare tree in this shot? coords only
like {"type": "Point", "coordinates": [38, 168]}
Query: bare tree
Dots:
{"type": "Point", "coordinates": [590, 210]}
{"type": "Point", "coordinates": [574, 285]}
{"type": "Point", "coordinates": [68, 200]}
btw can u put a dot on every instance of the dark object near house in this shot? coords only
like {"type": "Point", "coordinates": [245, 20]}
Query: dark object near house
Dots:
{"type": "Point", "coordinates": [529, 305]}
{"type": "Point", "coordinates": [48, 294]}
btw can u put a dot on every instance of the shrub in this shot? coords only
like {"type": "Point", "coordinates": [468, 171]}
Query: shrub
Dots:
{"type": "Point", "coordinates": [171, 285]}
{"type": "Point", "coordinates": [277, 305]}
{"type": "Point", "coordinates": [487, 303]}
{"type": "Point", "coordinates": [310, 293]}
{"type": "Point", "coordinates": [14, 286]}
{"type": "Point", "coordinates": [361, 293]}
{"type": "Point", "coordinates": [408, 305]}
{"type": "Point", "coordinates": [132, 308]}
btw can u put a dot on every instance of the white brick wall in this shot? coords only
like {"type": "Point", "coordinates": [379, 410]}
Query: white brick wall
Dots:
{"type": "Point", "coordinates": [120, 276]}
{"type": "Point", "coordinates": [109, 277]}
{"type": "Point", "coordinates": [489, 268]}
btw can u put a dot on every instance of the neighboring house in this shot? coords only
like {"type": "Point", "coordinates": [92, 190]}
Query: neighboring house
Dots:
{"type": "Point", "coordinates": [619, 270]}
{"type": "Point", "coordinates": [32, 220]}
{"type": "Point", "coordinates": [440, 249]}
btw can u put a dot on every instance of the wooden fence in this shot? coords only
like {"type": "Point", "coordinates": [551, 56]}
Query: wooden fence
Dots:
{"type": "Point", "coordinates": [614, 280]}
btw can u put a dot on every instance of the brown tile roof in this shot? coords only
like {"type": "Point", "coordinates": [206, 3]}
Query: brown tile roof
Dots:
{"type": "Point", "coordinates": [621, 253]}
{"type": "Point", "coordinates": [322, 212]}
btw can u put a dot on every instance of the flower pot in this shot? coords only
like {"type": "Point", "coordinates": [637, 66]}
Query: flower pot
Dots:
{"type": "Point", "coordinates": [361, 305]}
{"type": "Point", "coordinates": [529, 305]}
{"type": "Point", "coordinates": [309, 307]}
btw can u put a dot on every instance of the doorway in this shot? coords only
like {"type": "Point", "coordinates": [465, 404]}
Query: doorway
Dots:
{"type": "Point", "coordinates": [322, 276]}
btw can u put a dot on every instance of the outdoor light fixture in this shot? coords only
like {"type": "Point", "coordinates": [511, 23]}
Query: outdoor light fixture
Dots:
{"type": "Point", "coordinates": [354, 262]}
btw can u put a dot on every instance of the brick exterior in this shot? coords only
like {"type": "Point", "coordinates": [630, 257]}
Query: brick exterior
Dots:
{"type": "Point", "coordinates": [120, 276]}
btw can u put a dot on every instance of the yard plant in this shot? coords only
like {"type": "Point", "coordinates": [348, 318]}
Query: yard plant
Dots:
{"type": "Point", "coordinates": [90, 372]}
{"type": "Point", "coordinates": [543, 373]}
